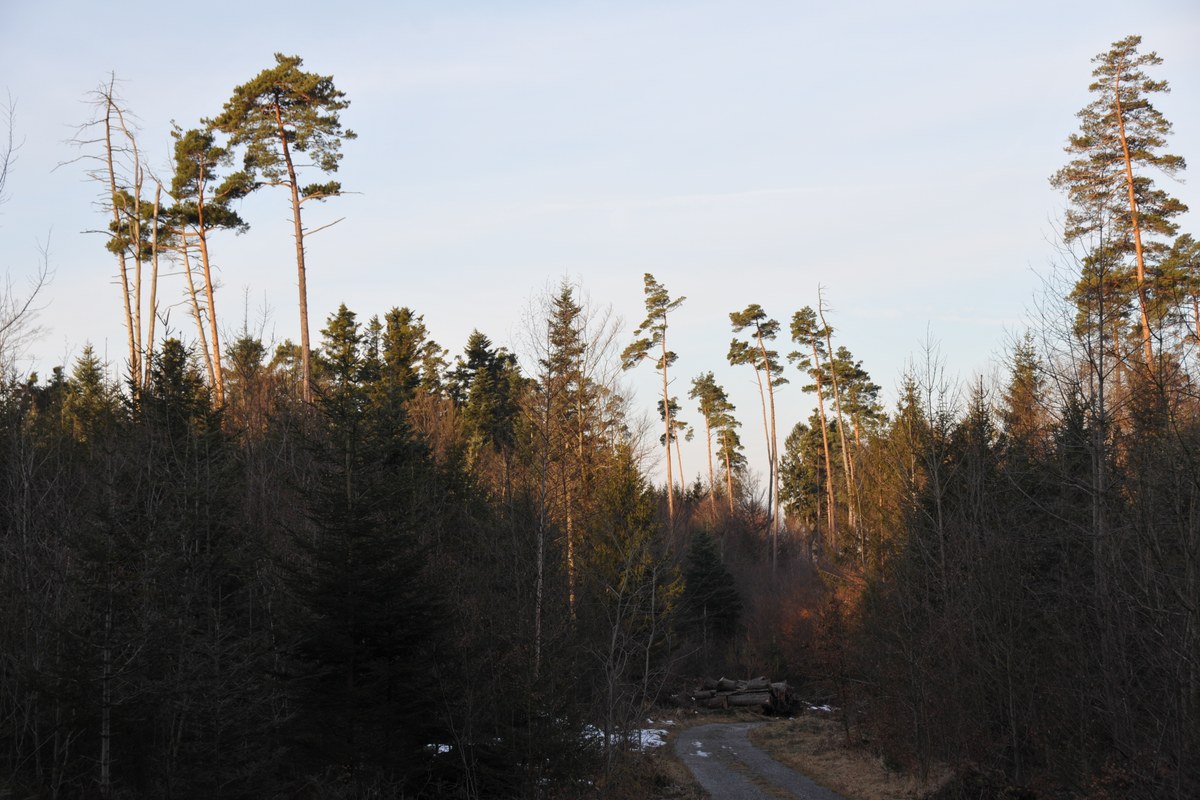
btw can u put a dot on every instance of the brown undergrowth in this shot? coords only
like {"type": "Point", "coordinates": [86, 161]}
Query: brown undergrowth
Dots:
{"type": "Point", "coordinates": [814, 744]}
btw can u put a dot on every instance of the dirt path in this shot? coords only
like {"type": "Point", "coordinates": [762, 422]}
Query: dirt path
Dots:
{"type": "Point", "coordinates": [729, 767]}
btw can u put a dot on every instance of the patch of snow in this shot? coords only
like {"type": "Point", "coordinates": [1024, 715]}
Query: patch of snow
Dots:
{"type": "Point", "coordinates": [825, 708]}
{"type": "Point", "coordinates": [643, 739]}
{"type": "Point", "coordinates": [651, 737]}
{"type": "Point", "coordinates": [701, 754]}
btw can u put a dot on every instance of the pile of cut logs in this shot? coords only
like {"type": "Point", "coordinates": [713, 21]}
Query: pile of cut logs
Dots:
{"type": "Point", "coordinates": [776, 698]}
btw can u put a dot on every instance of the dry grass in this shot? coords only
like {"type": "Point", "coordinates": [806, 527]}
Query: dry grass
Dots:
{"type": "Point", "coordinates": [815, 745]}
{"type": "Point", "coordinates": [642, 776]}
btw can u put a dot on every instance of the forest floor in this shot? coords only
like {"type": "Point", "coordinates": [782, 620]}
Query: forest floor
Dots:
{"type": "Point", "coordinates": [812, 743]}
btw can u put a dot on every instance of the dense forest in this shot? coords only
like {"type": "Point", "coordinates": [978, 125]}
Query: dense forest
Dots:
{"type": "Point", "coordinates": [360, 566]}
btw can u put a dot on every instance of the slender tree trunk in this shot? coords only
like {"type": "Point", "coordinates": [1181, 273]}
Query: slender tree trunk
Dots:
{"type": "Point", "coordinates": [1196, 314]}
{"type": "Point", "coordinates": [153, 275]}
{"type": "Point", "coordinates": [1119, 378]}
{"type": "Point", "coordinates": [830, 520]}
{"type": "Point", "coordinates": [123, 268]}
{"type": "Point", "coordinates": [679, 463]}
{"type": "Point", "coordinates": [106, 707]}
{"type": "Point", "coordinates": [773, 450]}
{"type": "Point", "coordinates": [712, 489]}
{"type": "Point", "coordinates": [767, 430]}
{"type": "Point", "coordinates": [583, 480]}
{"type": "Point", "coordinates": [728, 471]}
{"type": "Point", "coordinates": [762, 400]}
{"type": "Point", "coordinates": [196, 314]}
{"type": "Point", "coordinates": [1148, 350]}
{"type": "Point", "coordinates": [214, 360]}
{"type": "Point", "coordinates": [1102, 602]}
{"type": "Point", "coordinates": [136, 224]}
{"type": "Point", "coordinates": [539, 581]}
{"type": "Point", "coordinates": [1099, 432]}
{"type": "Point", "coordinates": [570, 545]}
{"type": "Point", "coordinates": [218, 381]}
{"type": "Point", "coordinates": [667, 433]}
{"type": "Point", "coordinates": [837, 404]}
{"type": "Point", "coordinates": [652, 634]}
{"type": "Point", "coordinates": [301, 280]}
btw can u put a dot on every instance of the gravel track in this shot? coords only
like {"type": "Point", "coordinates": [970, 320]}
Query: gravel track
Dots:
{"type": "Point", "coordinates": [729, 767]}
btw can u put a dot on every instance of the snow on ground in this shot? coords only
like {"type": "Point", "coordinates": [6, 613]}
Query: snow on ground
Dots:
{"type": "Point", "coordinates": [651, 737]}
{"type": "Point", "coordinates": [641, 739]}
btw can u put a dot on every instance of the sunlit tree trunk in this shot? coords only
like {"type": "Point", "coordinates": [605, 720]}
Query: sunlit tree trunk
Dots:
{"type": "Point", "coordinates": [122, 265]}
{"type": "Point", "coordinates": [837, 403]}
{"type": "Point", "coordinates": [214, 361]}
{"type": "Point", "coordinates": [1147, 348]}
{"type": "Point", "coordinates": [197, 315]}
{"type": "Point", "coordinates": [301, 278]}
{"type": "Point", "coordinates": [830, 519]}
{"type": "Point", "coordinates": [153, 275]}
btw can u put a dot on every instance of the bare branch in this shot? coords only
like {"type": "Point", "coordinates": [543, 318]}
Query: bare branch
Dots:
{"type": "Point", "coordinates": [323, 227]}
{"type": "Point", "coordinates": [8, 146]}
{"type": "Point", "coordinates": [18, 311]}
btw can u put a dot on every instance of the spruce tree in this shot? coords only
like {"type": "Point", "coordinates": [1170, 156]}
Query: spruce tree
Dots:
{"type": "Point", "coordinates": [710, 605]}
{"type": "Point", "coordinates": [368, 633]}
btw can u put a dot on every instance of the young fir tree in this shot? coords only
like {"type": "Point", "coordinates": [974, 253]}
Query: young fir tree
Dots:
{"type": "Point", "coordinates": [410, 360]}
{"type": "Point", "coordinates": [710, 605]}
{"type": "Point", "coordinates": [802, 472]}
{"type": "Point", "coordinates": [629, 592]}
{"type": "Point", "coordinates": [487, 386]}
{"type": "Point", "coordinates": [860, 395]}
{"type": "Point", "coordinates": [368, 632]}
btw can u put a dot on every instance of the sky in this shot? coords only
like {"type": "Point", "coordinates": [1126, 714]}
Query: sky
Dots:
{"type": "Point", "coordinates": [895, 155]}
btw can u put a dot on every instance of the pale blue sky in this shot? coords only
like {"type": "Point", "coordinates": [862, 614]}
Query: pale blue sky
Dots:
{"type": "Point", "coordinates": [896, 153]}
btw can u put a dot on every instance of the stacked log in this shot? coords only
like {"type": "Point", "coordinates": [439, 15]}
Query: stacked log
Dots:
{"type": "Point", "coordinates": [761, 693]}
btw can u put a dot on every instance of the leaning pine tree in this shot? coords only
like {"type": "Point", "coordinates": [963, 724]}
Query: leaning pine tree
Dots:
{"type": "Point", "coordinates": [1116, 210]}
{"type": "Point", "coordinates": [658, 305]}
